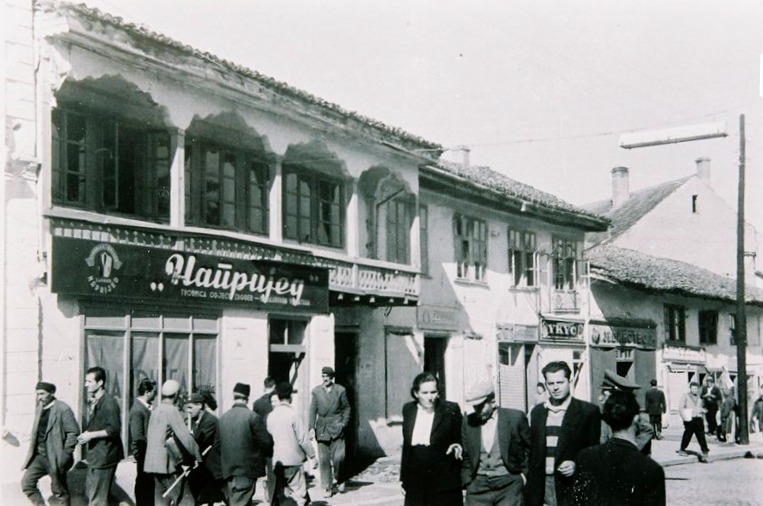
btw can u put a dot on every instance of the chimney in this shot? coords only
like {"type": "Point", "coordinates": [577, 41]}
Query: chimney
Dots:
{"type": "Point", "coordinates": [457, 154]}
{"type": "Point", "coordinates": [620, 189]}
{"type": "Point", "coordinates": [703, 168]}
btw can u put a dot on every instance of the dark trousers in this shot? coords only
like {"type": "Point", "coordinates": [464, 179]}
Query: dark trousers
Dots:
{"type": "Point", "coordinates": [144, 487]}
{"type": "Point", "coordinates": [98, 484]}
{"type": "Point", "coordinates": [331, 455]}
{"type": "Point", "coordinates": [424, 487]}
{"type": "Point", "coordinates": [240, 490]}
{"type": "Point", "coordinates": [656, 421]}
{"type": "Point", "coordinates": [712, 410]}
{"type": "Point", "coordinates": [36, 470]}
{"type": "Point", "coordinates": [495, 491]}
{"type": "Point", "coordinates": [697, 428]}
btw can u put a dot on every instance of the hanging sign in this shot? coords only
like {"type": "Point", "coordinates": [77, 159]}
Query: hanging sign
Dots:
{"type": "Point", "coordinates": [562, 330]}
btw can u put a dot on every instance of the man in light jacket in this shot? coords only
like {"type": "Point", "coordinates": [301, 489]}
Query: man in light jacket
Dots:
{"type": "Point", "coordinates": [291, 447]}
{"type": "Point", "coordinates": [691, 410]}
{"type": "Point", "coordinates": [166, 422]}
{"type": "Point", "coordinates": [54, 438]}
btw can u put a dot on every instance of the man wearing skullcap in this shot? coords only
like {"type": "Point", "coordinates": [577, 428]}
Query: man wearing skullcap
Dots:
{"type": "Point", "coordinates": [137, 422]}
{"type": "Point", "coordinates": [170, 446]}
{"type": "Point", "coordinates": [207, 484]}
{"type": "Point", "coordinates": [54, 438]}
{"type": "Point", "coordinates": [329, 416]}
{"type": "Point", "coordinates": [244, 445]}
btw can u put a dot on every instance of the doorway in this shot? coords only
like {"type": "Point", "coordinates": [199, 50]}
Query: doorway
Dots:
{"type": "Point", "coordinates": [345, 366]}
{"type": "Point", "coordinates": [286, 359]}
{"type": "Point", "coordinates": [434, 359]}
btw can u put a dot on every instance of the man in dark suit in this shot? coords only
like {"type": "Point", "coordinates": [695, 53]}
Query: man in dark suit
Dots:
{"type": "Point", "coordinates": [206, 481]}
{"type": "Point", "coordinates": [711, 396]}
{"type": "Point", "coordinates": [655, 406]}
{"type": "Point", "coordinates": [263, 405]}
{"type": "Point", "coordinates": [329, 416]}
{"type": "Point", "coordinates": [559, 429]}
{"type": "Point", "coordinates": [616, 473]}
{"type": "Point", "coordinates": [137, 422]}
{"type": "Point", "coordinates": [496, 445]}
{"type": "Point", "coordinates": [54, 438]}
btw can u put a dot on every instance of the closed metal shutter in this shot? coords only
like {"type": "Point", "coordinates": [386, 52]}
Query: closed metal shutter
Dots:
{"type": "Point", "coordinates": [511, 376]}
{"type": "Point", "coordinates": [678, 385]}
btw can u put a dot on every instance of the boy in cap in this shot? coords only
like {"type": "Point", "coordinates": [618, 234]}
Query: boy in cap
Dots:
{"type": "Point", "coordinates": [329, 416]}
{"type": "Point", "coordinates": [496, 447]}
{"type": "Point", "coordinates": [165, 423]}
{"type": "Point", "coordinates": [206, 481]}
{"type": "Point", "coordinates": [54, 438]}
{"type": "Point", "coordinates": [244, 445]}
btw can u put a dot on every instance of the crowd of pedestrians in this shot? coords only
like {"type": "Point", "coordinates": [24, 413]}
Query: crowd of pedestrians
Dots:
{"type": "Point", "coordinates": [565, 451]}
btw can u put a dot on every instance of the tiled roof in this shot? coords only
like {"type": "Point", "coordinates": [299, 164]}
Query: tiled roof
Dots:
{"type": "Point", "coordinates": [664, 275]}
{"type": "Point", "coordinates": [280, 87]}
{"type": "Point", "coordinates": [639, 203]}
{"type": "Point", "coordinates": [506, 187]}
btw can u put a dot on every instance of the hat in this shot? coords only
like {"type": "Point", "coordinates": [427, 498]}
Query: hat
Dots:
{"type": "Point", "coordinates": [328, 371]}
{"type": "Point", "coordinates": [48, 387]}
{"type": "Point", "coordinates": [242, 389]}
{"type": "Point", "coordinates": [170, 388]}
{"type": "Point", "coordinates": [195, 398]}
{"type": "Point", "coordinates": [613, 381]}
{"type": "Point", "coordinates": [479, 392]}
{"type": "Point", "coordinates": [653, 382]}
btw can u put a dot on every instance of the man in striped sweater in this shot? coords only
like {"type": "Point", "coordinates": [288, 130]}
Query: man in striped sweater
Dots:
{"type": "Point", "coordinates": [559, 429]}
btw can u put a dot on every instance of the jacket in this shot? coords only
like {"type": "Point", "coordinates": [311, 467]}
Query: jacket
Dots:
{"type": "Point", "coordinates": [654, 402]}
{"type": "Point", "coordinates": [290, 441]}
{"type": "Point", "coordinates": [581, 428]}
{"type": "Point", "coordinates": [166, 420]}
{"type": "Point", "coordinates": [616, 474]}
{"type": "Point", "coordinates": [60, 437]}
{"type": "Point", "coordinates": [107, 451]}
{"type": "Point", "coordinates": [329, 412]}
{"type": "Point", "coordinates": [513, 435]}
{"type": "Point", "coordinates": [205, 430]}
{"type": "Point", "coordinates": [262, 406]}
{"type": "Point", "coordinates": [137, 421]}
{"type": "Point", "coordinates": [446, 430]}
{"type": "Point", "coordinates": [688, 402]}
{"type": "Point", "coordinates": [244, 443]}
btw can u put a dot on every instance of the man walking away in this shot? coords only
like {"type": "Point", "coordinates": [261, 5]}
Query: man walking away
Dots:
{"type": "Point", "coordinates": [170, 446]}
{"type": "Point", "coordinates": [329, 416]}
{"type": "Point", "coordinates": [644, 431]}
{"type": "Point", "coordinates": [244, 445]}
{"type": "Point", "coordinates": [496, 445]}
{"type": "Point", "coordinates": [559, 429]}
{"type": "Point", "coordinates": [102, 437]}
{"type": "Point", "coordinates": [291, 447]}
{"type": "Point", "coordinates": [263, 406]}
{"type": "Point", "coordinates": [137, 422]}
{"type": "Point", "coordinates": [616, 473]}
{"type": "Point", "coordinates": [54, 438]}
{"type": "Point", "coordinates": [207, 484]}
{"type": "Point", "coordinates": [655, 407]}
{"type": "Point", "coordinates": [691, 410]}
{"type": "Point", "coordinates": [711, 397]}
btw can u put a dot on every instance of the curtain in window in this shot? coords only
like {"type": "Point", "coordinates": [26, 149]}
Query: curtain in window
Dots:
{"type": "Point", "coordinates": [176, 350]}
{"type": "Point", "coordinates": [204, 363]}
{"type": "Point", "coordinates": [107, 350]}
{"type": "Point", "coordinates": [144, 361]}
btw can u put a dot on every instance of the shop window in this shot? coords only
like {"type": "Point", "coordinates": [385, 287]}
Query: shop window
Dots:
{"type": "Point", "coordinates": [470, 236]}
{"type": "Point", "coordinates": [226, 187]}
{"type": "Point", "coordinates": [287, 351]}
{"type": "Point", "coordinates": [313, 208]}
{"type": "Point", "coordinates": [424, 238]}
{"type": "Point", "coordinates": [708, 327]}
{"type": "Point", "coordinates": [110, 165]}
{"type": "Point", "coordinates": [567, 263]}
{"type": "Point", "coordinates": [675, 323]}
{"type": "Point", "coordinates": [522, 258]}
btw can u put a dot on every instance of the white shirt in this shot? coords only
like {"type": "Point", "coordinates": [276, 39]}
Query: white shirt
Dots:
{"type": "Point", "coordinates": [422, 427]}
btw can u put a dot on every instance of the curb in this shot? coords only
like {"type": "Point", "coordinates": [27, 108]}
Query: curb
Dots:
{"type": "Point", "coordinates": [741, 454]}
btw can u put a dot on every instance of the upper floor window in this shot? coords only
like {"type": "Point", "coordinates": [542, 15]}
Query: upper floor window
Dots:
{"type": "Point", "coordinates": [424, 238]}
{"type": "Point", "coordinates": [110, 165]}
{"type": "Point", "coordinates": [708, 327]}
{"type": "Point", "coordinates": [313, 207]}
{"type": "Point", "coordinates": [470, 236]}
{"type": "Point", "coordinates": [675, 323]}
{"type": "Point", "coordinates": [733, 329]}
{"type": "Point", "coordinates": [567, 260]}
{"type": "Point", "coordinates": [522, 258]}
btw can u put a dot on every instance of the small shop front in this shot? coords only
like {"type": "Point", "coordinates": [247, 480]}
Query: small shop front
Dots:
{"type": "Point", "coordinates": [518, 365]}
{"type": "Point", "coordinates": [680, 366]}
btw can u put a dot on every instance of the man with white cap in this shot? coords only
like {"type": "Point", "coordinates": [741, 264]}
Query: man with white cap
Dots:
{"type": "Point", "coordinates": [496, 447]}
{"type": "Point", "coordinates": [168, 433]}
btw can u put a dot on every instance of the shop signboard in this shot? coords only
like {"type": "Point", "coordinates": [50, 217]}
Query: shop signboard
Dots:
{"type": "Point", "coordinates": [120, 271]}
{"type": "Point", "coordinates": [683, 354]}
{"type": "Point", "coordinates": [437, 318]}
{"type": "Point", "coordinates": [516, 333]}
{"type": "Point", "coordinates": [614, 336]}
{"type": "Point", "coordinates": [562, 330]}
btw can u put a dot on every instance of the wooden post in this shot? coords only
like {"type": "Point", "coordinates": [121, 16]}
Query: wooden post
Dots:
{"type": "Point", "coordinates": [740, 325]}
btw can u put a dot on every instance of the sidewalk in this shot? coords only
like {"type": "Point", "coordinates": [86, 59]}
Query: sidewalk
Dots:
{"type": "Point", "coordinates": [377, 485]}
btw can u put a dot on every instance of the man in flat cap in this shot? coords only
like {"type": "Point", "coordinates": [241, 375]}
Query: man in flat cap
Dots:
{"type": "Point", "coordinates": [496, 448]}
{"type": "Point", "coordinates": [170, 446]}
{"type": "Point", "coordinates": [207, 484]}
{"type": "Point", "coordinates": [329, 416]}
{"type": "Point", "coordinates": [54, 438]}
{"type": "Point", "coordinates": [244, 445]}
{"type": "Point", "coordinates": [137, 422]}
{"type": "Point", "coordinates": [613, 382]}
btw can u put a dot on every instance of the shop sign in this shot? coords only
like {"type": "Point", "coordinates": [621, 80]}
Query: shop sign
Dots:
{"type": "Point", "coordinates": [513, 332]}
{"type": "Point", "coordinates": [437, 318]}
{"type": "Point", "coordinates": [562, 330]}
{"type": "Point", "coordinates": [683, 354]}
{"type": "Point", "coordinates": [610, 336]}
{"type": "Point", "coordinates": [117, 271]}
{"type": "Point", "coordinates": [624, 355]}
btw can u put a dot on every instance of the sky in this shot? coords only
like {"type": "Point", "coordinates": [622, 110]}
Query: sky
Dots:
{"type": "Point", "coordinates": [539, 90]}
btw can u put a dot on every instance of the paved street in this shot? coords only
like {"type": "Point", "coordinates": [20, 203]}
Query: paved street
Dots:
{"type": "Point", "coordinates": [728, 482]}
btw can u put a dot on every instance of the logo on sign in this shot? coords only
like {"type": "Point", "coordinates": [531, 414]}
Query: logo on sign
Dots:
{"type": "Point", "coordinates": [103, 261]}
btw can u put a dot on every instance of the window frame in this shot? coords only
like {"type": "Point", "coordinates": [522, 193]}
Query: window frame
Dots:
{"type": "Point", "coordinates": [522, 261]}
{"type": "Point", "coordinates": [567, 266]}
{"type": "Point", "coordinates": [424, 239]}
{"type": "Point", "coordinates": [313, 215]}
{"type": "Point", "coordinates": [675, 323]}
{"type": "Point", "coordinates": [707, 322]}
{"type": "Point", "coordinates": [470, 237]}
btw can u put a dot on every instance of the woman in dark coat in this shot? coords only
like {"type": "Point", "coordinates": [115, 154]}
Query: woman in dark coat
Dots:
{"type": "Point", "coordinates": [430, 468]}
